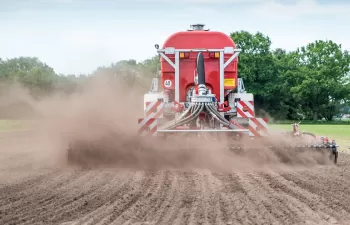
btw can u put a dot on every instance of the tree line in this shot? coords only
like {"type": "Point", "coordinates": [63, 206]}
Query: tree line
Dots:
{"type": "Point", "coordinates": [311, 82]}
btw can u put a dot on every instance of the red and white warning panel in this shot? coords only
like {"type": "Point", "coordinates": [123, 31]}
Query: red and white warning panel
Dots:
{"type": "Point", "coordinates": [154, 109]}
{"type": "Point", "coordinates": [238, 123]}
{"type": "Point", "coordinates": [148, 126]}
{"type": "Point", "coordinates": [258, 127]}
{"type": "Point", "coordinates": [245, 109]}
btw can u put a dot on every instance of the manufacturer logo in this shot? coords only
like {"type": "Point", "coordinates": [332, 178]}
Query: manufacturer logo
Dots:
{"type": "Point", "coordinates": [245, 109]}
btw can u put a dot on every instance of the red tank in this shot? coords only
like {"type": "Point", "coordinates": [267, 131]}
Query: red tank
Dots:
{"type": "Point", "coordinates": [198, 39]}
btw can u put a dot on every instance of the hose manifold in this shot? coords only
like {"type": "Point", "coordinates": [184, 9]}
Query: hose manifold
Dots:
{"type": "Point", "coordinates": [202, 89]}
{"type": "Point", "coordinates": [203, 98]}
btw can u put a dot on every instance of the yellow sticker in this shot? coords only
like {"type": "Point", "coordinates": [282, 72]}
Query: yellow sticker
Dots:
{"type": "Point", "coordinates": [229, 82]}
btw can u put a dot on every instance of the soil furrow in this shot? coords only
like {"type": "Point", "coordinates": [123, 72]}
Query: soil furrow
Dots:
{"type": "Point", "coordinates": [174, 203]}
{"type": "Point", "coordinates": [53, 182]}
{"type": "Point", "coordinates": [226, 200]}
{"type": "Point", "coordinates": [333, 188]}
{"type": "Point", "coordinates": [40, 191]}
{"type": "Point", "coordinates": [32, 193]}
{"type": "Point", "coordinates": [291, 212]}
{"type": "Point", "coordinates": [169, 194]}
{"type": "Point", "coordinates": [158, 201]}
{"type": "Point", "coordinates": [126, 197]}
{"type": "Point", "coordinates": [294, 191]}
{"type": "Point", "coordinates": [301, 199]}
{"type": "Point", "coordinates": [324, 200]}
{"type": "Point", "coordinates": [31, 208]}
{"type": "Point", "coordinates": [136, 212]}
{"type": "Point", "coordinates": [78, 205]}
{"type": "Point", "coordinates": [259, 202]}
{"type": "Point", "coordinates": [198, 211]}
{"type": "Point", "coordinates": [180, 210]}
{"type": "Point", "coordinates": [213, 186]}
{"type": "Point", "coordinates": [104, 197]}
{"type": "Point", "coordinates": [66, 207]}
{"type": "Point", "coordinates": [28, 182]}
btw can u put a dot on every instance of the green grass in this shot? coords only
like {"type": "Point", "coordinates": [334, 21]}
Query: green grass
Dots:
{"type": "Point", "coordinates": [11, 125]}
{"type": "Point", "coordinates": [332, 131]}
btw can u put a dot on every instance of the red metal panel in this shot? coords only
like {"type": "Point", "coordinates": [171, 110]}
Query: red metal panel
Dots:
{"type": "Point", "coordinates": [198, 39]}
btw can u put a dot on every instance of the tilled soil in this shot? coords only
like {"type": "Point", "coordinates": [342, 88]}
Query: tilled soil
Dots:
{"type": "Point", "coordinates": [32, 192]}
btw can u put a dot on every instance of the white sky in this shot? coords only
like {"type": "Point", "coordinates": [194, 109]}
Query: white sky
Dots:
{"type": "Point", "coordinates": [77, 36]}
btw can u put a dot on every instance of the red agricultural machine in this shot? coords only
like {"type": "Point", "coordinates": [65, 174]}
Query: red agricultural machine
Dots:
{"type": "Point", "coordinates": [201, 95]}
{"type": "Point", "coordinates": [199, 77]}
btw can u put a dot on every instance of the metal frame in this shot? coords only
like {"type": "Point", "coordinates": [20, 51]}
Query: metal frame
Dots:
{"type": "Point", "coordinates": [154, 86]}
{"type": "Point", "coordinates": [176, 65]}
{"type": "Point", "coordinates": [179, 131]}
{"type": "Point", "coordinates": [241, 88]}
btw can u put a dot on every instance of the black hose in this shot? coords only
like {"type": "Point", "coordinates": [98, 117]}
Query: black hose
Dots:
{"type": "Point", "coordinates": [200, 68]}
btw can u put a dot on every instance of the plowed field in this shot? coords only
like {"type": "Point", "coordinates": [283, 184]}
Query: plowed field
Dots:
{"type": "Point", "coordinates": [36, 190]}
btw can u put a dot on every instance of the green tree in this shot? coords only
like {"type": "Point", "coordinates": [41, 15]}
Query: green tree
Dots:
{"type": "Point", "coordinates": [257, 67]}
{"type": "Point", "coordinates": [285, 67]}
{"type": "Point", "coordinates": [321, 80]}
{"type": "Point", "coordinates": [151, 65]}
{"type": "Point", "coordinates": [30, 72]}
{"type": "Point", "coordinates": [130, 73]}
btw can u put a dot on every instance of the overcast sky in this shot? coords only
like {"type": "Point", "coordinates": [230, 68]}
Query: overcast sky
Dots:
{"type": "Point", "coordinates": [77, 36]}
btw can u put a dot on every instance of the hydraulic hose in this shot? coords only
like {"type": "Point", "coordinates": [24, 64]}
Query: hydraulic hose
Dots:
{"type": "Point", "coordinates": [172, 122]}
{"type": "Point", "coordinates": [193, 116]}
{"type": "Point", "coordinates": [200, 69]}
{"type": "Point", "coordinates": [183, 120]}
{"type": "Point", "coordinates": [210, 107]}
{"type": "Point", "coordinates": [178, 121]}
{"type": "Point", "coordinates": [216, 117]}
{"type": "Point", "coordinates": [196, 108]}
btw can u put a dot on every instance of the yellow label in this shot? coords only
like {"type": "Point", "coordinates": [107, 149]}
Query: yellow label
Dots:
{"type": "Point", "coordinates": [230, 82]}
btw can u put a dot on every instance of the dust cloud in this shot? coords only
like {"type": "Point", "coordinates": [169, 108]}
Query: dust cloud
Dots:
{"type": "Point", "coordinates": [102, 118]}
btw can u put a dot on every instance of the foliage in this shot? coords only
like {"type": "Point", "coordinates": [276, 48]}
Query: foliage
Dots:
{"type": "Point", "coordinates": [33, 74]}
{"type": "Point", "coordinates": [258, 67]}
{"type": "Point", "coordinates": [322, 73]}
{"type": "Point", "coordinates": [310, 83]}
